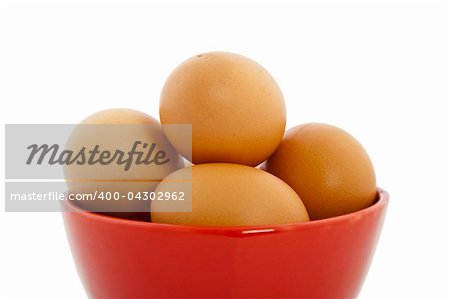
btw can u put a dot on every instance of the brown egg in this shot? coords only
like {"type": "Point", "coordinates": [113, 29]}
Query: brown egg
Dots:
{"type": "Point", "coordinates": [328, 169]}
{"type": "Point", "coordinates": [236, 109]}
{"type": "Point", "coordinates": [232, 195]}
{"type": "Point", "coordinates": [113, 130]}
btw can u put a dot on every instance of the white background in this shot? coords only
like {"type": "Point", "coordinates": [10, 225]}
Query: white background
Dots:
{"type": "Point", "coordinates": [380, 70]}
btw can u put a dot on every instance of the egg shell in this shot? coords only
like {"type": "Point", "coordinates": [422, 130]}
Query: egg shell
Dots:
{"type": "Point", "coordinates": [233, 195]}
{"type": "Point", "coordinates": [327, 167]}
{"type": "Point", "coordinates": [236, 109]}
{"type": "Point", "coordinates": [118, 129]}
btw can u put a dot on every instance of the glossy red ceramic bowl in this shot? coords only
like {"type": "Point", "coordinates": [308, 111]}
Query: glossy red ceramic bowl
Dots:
{"type": "Point", "coordinates": [329, 258]}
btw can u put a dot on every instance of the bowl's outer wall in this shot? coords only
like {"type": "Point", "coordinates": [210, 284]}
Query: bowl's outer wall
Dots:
{"type": "Point", "coordinates": [127, 259]}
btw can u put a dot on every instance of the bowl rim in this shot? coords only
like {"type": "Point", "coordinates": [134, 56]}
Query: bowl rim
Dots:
{"type": "Point", "coordinates": [378, 206]}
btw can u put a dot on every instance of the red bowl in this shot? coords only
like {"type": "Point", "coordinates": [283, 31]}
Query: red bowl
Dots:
{"type": "Point", "coordinates": [119, 258]}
